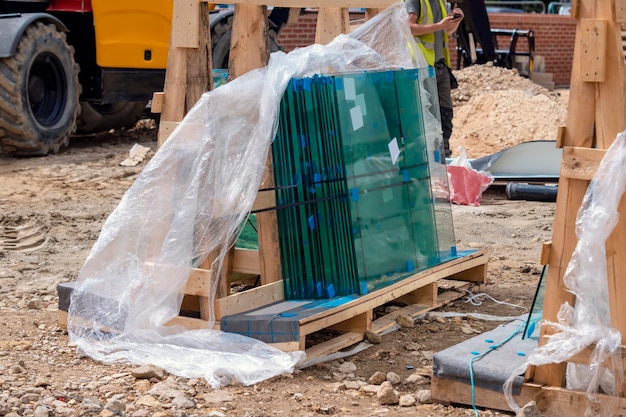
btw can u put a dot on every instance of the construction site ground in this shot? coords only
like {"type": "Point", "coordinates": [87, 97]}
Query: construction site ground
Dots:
{"type": "Point", "coordinates": [67, 197]}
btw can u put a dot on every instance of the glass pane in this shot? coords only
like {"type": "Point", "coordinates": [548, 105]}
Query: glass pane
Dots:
{"type": "Point", "coordinates": [353, 160]}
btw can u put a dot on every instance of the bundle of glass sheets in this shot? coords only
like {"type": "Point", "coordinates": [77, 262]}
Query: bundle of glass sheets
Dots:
{"type": "Point", "coordinates": [352, 164]}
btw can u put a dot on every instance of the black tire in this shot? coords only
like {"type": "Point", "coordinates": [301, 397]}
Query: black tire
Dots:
{"type": "Point", "coordinates": [96, 118]}
{"type": "Point", "coordinates": [220, 39]}
{"type": "Point", "coordinates": [220, 42]}
{"type": "Point", "coordinates": [39, 93]}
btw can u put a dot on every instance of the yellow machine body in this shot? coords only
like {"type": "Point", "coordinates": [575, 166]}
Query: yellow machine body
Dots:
{"type": "Point", "coordinates": [132, 33]}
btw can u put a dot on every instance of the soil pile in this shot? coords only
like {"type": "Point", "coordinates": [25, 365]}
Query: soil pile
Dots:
{"type": "Point", "coordinates": [496, 108]}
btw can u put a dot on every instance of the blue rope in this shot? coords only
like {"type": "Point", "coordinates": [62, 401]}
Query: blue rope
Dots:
{"type": "Point", "coordinates": [479, 355]}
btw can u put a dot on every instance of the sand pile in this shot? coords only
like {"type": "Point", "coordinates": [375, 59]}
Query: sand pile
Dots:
{"type": "Point", "coordinates": [496, 108]}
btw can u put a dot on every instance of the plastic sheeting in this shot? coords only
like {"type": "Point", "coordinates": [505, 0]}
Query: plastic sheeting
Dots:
{"type": "Point", "coordinates": [588, 322]}
{"type": "Point", "coordinates": [466, 183]}
{"type": "Point", "coordinates": [190, 201]}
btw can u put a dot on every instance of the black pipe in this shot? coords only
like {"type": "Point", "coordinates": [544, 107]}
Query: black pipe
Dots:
{"type": "Point", "coordinates": [531, 192]}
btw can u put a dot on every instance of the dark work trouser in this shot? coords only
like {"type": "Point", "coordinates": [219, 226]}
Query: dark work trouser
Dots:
{"type": "Point", "coordinates": [445, 103]}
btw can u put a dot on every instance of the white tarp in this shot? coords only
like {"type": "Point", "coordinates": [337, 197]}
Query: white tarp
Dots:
{"type": "Point", "coordinates": [190, 200]}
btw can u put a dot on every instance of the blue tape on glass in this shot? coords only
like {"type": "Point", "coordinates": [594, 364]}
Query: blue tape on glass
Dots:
{"type": "Point", "coordinates": [311, 222]}
{"type": "Point", "coordinates": [318, 289]}
{"type": "Point", "coordinates": [311, 190]}
{"type": "Point", "coordinates": [405, 175]}
{"type": "Point", "coordinates": [339, 83]}
{"type": "Point", "coordinates": [303, 141]}
{"type": "Point", "coordinates": [453, 251]}
{"type": "Point", "coordinates": [331, 291]}
{"type": "Point", "coordinates": [305, 242]}
{"type": "Point", "coordinates": [389, 77]}
{"type": "Point", "coordinates": [317, 178]}
{"type": "Point", "coordinates": [364, 289]}
{"type": "Point", "coordinates": [409, 266]}
{"type": "Point", "coordinates": [437, 156]}
{"type": "Point", "coordinates": [431, 71]}
{"type": "Point", "coordinates": [354, 194]}
{"type": "Point", "coordinates": [287, 314]}
{"type": "Point", "coordinates": [306, 85]}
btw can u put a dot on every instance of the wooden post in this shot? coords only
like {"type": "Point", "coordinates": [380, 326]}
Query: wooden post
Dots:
{"type": "Point", "coordinates": [189, 67]}
{"type": "Point", "coordinates": [596, 114]}
{"type": "Point", "coordinates": [331, 21]}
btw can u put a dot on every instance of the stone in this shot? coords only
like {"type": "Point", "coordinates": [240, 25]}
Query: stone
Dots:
{"type": "Point", "coordinates": [407, 400]}
{"type": "Point", "coordinates": [30, 398]}
{"type": "Point", "coordinates": [424, 396]}
{"type": "Point", "coordinates": [142, 385]}
{"type": "Point", "coordinates": [107, 413]}
{"type": "Point", "coordinates": [148, 372]}
{"type": "Point", "coordinates": [387, 395]}
{"type": "Point", "coordinates": [148, 401]}
{"type": "Point", "coordinates": [416, 379]}
{"type": "Point", "coordinates": [92, 405]}
{"type": "Point", "coordinates": [167, 388]}
{"type": "Point", "coordinates": [405, 320]}
{"type": "Point", "coordinates": [183, 403]}
{"type": "Point", "coordinates": [217, 397]}
{"type": "Point", "coordinates": [58, 404]}
{"type": "Point", "coordinates": [116, 406]}
{"type": "Point", "coordinates": [215, 413]}
{"type": "Point", "coordinates": [394, 378]}
{"type": "Point", "coordinates": [373, 337]}
{"type": "Point", "coordinates": [41, 411]}
{"type": "Point", "coordinates": [370, 389]}
{"type": "Point", "coordinates": [338, 376]}
{"type": "Point", "coordinates": [347, 367]}
{"type": "Point", "coordinates": [378, 378]}
{"type": "Point", "coordinates": [142, 412]}
{"type": "Point", "coordinates": [353, 384]}
{"type": "Point", "coordinates": [41, 382]}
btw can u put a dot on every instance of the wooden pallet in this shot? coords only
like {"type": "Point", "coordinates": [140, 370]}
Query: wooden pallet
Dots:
{"type": "Point", "coordinates": [422, 292]}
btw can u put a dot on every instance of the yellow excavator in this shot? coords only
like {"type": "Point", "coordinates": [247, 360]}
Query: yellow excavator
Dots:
{"type": "Point", "coordinates": [87, 66]}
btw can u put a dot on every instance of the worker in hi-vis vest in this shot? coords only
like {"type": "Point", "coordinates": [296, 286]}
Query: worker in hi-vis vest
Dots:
{"type": "Point", "coordinates": [430, 24]}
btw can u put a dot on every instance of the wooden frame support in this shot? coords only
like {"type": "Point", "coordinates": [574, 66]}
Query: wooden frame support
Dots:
{"type": "Point", "coordinates": [596, 114]}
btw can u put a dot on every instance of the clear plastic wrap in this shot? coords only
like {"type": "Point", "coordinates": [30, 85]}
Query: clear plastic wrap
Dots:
{"type": "Point", "coordinates": [588, 322]}
{"type": "Point", "coordinates": [190, 201]}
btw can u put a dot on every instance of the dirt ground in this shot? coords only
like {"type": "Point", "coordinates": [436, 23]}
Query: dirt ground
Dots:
{"type": "Point", "coordinates": [68, 197]}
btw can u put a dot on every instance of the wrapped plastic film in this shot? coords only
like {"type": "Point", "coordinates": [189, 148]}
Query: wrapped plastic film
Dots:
{"type": "Point", "coordinates": [588, 322]}
{"type": "Point", "coordinates": [189, 202]}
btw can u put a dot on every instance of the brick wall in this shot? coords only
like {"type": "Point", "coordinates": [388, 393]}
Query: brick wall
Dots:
{"type": "Point", "coordinates": [554, 38]}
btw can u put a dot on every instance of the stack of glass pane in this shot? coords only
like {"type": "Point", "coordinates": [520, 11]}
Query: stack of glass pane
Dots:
{"type": "Point", "coordinates": [353, 167]}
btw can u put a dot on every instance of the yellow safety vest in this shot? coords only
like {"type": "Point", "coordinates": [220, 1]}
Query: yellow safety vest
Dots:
{"type": "Point", "coordinates": [426, 42]}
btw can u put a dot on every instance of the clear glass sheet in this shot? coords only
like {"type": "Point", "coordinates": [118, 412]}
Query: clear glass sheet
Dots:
{"type": "Point", "coordinates": [354, 179]}
{"type": "Point", "coordinates": [424, 145]}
